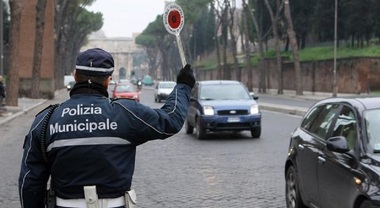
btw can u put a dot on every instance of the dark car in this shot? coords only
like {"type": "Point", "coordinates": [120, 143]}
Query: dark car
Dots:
{"type": "Point", "coordinates": [334, 155]}
{"type": "Point", "coordinates": [222, 105]}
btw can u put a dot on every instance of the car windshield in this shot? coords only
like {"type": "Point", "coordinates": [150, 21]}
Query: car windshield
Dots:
{"type": "Point", "coordinates": [167, 85]}
{"type": "Point", "coordinates": [224, 92]}
{"type": "Point", "coordinates": [372, 123]}
{"type": "Point", "coordinates": [125, 88]}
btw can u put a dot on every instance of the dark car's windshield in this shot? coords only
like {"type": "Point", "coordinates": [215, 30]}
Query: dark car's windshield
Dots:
{"type": "Point", "coordinates": [372, 122]}
{"type": "Point", "coordinates": [224, 92]}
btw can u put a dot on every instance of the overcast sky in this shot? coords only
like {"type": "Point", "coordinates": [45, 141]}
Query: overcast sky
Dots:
{"type": "Point", "coordinates": [122, 18]}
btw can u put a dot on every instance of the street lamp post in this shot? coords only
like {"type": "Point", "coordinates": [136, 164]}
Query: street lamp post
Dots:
{"type": "Point", "coordinates": [335, 88]}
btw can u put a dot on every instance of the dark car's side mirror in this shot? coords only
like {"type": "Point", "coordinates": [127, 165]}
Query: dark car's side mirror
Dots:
{"type": "Point", "coordinates": [253, 96]}
{"type": "Point", "coordinates": [337, 144]}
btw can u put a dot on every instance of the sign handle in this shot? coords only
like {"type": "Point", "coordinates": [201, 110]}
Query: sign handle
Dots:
{"type": "Point", "coordinates": [180, 48]}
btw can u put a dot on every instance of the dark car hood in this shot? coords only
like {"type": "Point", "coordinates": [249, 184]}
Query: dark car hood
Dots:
{"type": "Point", "coordinates": [228, 104]}
{"type": "Point", "coordinates": [375, 160]}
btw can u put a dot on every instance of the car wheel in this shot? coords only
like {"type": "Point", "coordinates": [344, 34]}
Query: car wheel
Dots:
{"type": "Point", "coordinates": [293, 195]}
{"type": "Point", "coordinates": [366, 204]}
{"type": "Point", "coordinates": [200, 131]}
{"type": "Point", "coordinates": [256, 132]}
{"type": "Point", "coordinates": [189, 128]}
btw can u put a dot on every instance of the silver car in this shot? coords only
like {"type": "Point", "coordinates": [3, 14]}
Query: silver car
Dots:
{"type": "Point", "coordinates": [163, 89]}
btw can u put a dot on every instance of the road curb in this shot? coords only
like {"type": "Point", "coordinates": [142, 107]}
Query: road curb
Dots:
{"type": "Point", "coordinates": [283, 109]}
{"type": "Point", "coordinates": [18, 111]}
{"type": "Point", "coordinates": [21, 112]}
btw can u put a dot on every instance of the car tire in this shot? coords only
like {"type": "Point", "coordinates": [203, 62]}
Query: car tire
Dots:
{"type": "Point", "coordinates": [189, 127]}
{"type": "Point", "coordinates": [366, 204]}
{"type": "Point", "coordinates": [256, 132]}
{"type": "Point", "coordinates": [292, 192]}
{"type": "Point", "coordinates": [200, 131]}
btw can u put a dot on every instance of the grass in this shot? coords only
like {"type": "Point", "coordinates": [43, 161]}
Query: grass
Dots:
{"type": "Point", "coordinates": [307, 54]}
{"type": "Point", "coordinates": [327, 52]}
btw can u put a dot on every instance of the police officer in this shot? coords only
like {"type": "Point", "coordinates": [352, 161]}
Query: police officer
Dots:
{"type": "Point", "coordinates": [87, 147]}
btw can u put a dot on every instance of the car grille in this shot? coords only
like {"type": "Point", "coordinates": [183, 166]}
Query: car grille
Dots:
{"type": "Point", "coordinates": [233, 125]}
{"type": "Point", "coordinates": [232, 112]}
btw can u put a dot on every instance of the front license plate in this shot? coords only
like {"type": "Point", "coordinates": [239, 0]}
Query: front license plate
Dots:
{"type": "Point", "coordinates": [233, 119]}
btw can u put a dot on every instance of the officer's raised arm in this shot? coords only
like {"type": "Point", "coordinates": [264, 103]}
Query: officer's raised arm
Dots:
{"type": "Point", "coordinates": [151, 124]}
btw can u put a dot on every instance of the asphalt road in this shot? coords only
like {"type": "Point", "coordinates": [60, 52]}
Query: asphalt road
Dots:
{"type": "Point", "coordinates": [227, 170]}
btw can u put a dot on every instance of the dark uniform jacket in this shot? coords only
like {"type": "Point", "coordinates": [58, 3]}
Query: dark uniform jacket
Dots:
{"type": "Point", "coordinates": [91, 140]}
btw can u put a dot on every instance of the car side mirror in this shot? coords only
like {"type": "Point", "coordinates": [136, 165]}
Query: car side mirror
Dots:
{"type": "Point", "coordinates": [253, 95]}
{"type": "Point", "coordinates": [337, 144]}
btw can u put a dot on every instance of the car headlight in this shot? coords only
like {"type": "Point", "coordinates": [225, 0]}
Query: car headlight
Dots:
{"type": "Point", "coordinates": [255, 109]}
{"type": "Point", "coordinates": [208, 110]}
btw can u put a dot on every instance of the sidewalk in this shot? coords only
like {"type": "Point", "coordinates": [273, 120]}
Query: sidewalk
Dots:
{"type": "Point", "coordinates": [24, 105]}
{"type": "Point", "coordinates": [293, 110]}
{"type": "Point", "coordinates": [306, 94]}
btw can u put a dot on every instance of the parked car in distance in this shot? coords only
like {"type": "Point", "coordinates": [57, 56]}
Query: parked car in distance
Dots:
{"type": "Point", "coordinates": [222, 105]}
{"type": "Point", "coordinates": [334, 155]}
{"type": "Point", "coordinates": [70, 85]}
{"type": "Point", "coordinates": [163, 89]}
{"type": "Point", "coordinates": [126, 90]}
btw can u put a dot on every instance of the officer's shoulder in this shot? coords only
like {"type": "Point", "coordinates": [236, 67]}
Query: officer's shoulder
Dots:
{"type": "Point", "coordinates": [120, 99]}
{"type": "Point", "coordinates": [53, 106]}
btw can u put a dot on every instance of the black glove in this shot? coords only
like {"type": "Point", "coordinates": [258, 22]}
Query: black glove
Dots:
{"type": "Point", "coordinates": [186, 76]}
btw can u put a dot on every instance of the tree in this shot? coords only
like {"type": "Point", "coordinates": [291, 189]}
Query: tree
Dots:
{"type": "Point", "coordinates": [247, 49]}
{"type": "Point", "coordinates": [38, 44]}
{"type": "Point", "coordinates": [275, 20]}
{"type": "Point", "coordinates": [6, 24]}
{"type": "Point", "coordinates": [199, 27]}
{"type": "Point", "coordinates": [13, 76]}
{"type": "Point", "coordinates": [149, 41]}
{"type": "Point", "coordinates": [73, 23]}
{"type": "Point", "coordinates": [234, 32]}
{"type": "Point", "coordinates": [221, 9]}
{"type": "Point", "coordinates": [293, 43]}
{"type": "Point", "coordinates": [358, 21]}
{"type": "Point", "coordinates": [203, 34]}
{"type": "Point", "coordinates": [323, 20]}
{"type": "Point", "coordinates": [302, 14]}
{"type": "Point", "coordinates": [260, 42]}
{"type": "Point", "coordinates": [158, 43]}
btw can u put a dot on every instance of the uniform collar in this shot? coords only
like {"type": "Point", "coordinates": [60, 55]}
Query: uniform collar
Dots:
{"type": "Point", "coordinates": [86, 88]}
